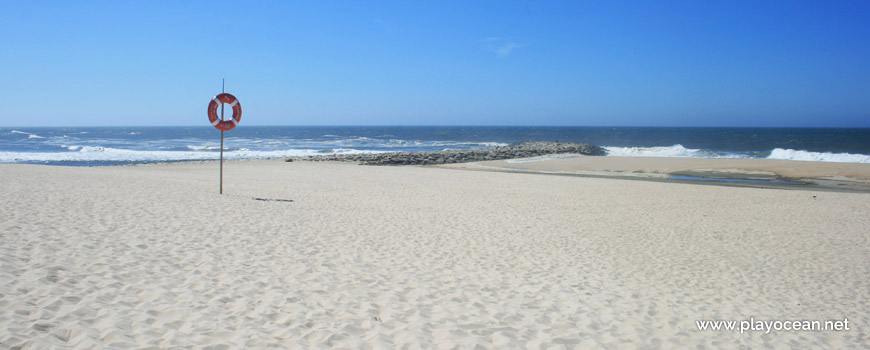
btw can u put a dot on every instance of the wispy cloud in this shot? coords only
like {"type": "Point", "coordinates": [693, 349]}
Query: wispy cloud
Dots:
{"type": "Point", "coordinates": [501, 47]}
{"type": "Point", "coordinates": [506, 49]}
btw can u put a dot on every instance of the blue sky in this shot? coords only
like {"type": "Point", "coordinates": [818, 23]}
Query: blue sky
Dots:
{"type": "Point", "coordinates": [586, 63]}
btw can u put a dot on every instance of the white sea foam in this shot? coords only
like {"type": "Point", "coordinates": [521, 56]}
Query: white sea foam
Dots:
{"type": "Point", "coordinates": [790, 154]}
{"type": "Point", "coordinates": [455, 145]}
{"type": "Point", "coordinates": [666, 151]}
{"type": "Point", "coordinates": [365, 142]}
{"type": "Point", "coordinates": [106, 154]}
{"type": "Point", "coordinates": [469, 143]}
{"type": "Point", "coordinates": [541, 158]}
{"type": "Point", "coordinates": [29, 135]}
{"type": "Point", "coordinates": [202, 148]}
{"type": "Point", "coordinates": [777, 153]}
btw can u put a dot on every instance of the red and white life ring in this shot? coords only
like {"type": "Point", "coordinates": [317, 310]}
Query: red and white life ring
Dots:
{"type": "Point", "coordinates": [212, 111]}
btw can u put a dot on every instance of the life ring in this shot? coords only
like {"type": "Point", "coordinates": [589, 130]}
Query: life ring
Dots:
{"type": "Point", "coordinates": [212, 112]}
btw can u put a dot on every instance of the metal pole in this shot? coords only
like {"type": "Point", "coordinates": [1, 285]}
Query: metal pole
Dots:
{"type": "Point", "coordinates": [222, 160]}
{"type": "Point", "coordinates": [223, 85]}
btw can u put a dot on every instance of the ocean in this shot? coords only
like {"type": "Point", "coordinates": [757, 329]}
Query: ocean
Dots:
{"type": "Point", "coordinates": [99, 146]}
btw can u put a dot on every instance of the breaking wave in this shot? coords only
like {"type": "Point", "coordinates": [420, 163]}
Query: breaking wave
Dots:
{"type": "Point", "coordinates": [29, 135]}
{"type": "Point", "coordinates": [776, 153]}
{"type": "Point", "coordinates": [668, 151]}
{"type": "Point", "coordinates": [790, 154]}
{"type": "Point", "coordinates": [105, 154]}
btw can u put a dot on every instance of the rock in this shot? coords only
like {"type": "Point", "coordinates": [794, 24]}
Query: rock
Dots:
{"type": "Point", "coordinates": [517, 150]}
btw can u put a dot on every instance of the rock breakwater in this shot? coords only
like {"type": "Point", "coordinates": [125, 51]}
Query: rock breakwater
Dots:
{"type": "Point", "coordinates": [517, 150]}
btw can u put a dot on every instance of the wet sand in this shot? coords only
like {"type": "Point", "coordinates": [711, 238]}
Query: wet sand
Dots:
{"type": "Point", "coordinates": [761, 173]}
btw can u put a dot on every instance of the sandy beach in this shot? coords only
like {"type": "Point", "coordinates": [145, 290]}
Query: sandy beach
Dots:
{"type": "Point", "coordinates": [337, 255]}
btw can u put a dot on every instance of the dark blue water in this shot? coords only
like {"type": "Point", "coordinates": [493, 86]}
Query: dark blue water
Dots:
{"type": "Point", "coordinates": [112, 145]}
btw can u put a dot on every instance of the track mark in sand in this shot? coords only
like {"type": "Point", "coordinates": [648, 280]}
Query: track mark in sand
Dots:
{"type": "Point", "coordinates": [272, 200]}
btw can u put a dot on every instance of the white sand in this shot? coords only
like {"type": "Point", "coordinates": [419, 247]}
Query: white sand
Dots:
{"type": "Point", "coordinates": [410, 257]}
